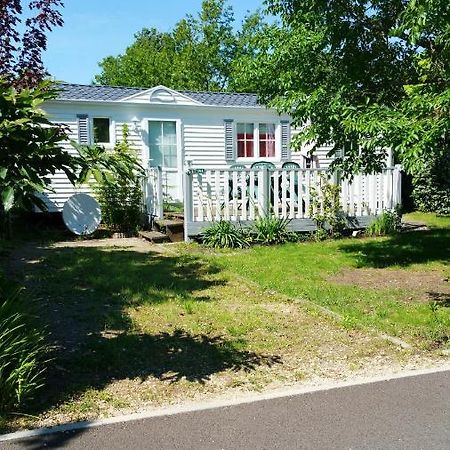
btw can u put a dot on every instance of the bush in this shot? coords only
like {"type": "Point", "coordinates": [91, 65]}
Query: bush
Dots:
{"type": "Point", "coordinates": [326, 209]}
{"type": "Point", "coordinates": [121, 205]}
{"type": "Point", "coordinates": [272, 230]}
{"type": "Point", "coordinates": [22, 350]}
{"type": "Point", "coordinates": [386, 224]}
{"type": "Point", "coordinates": [431, 188]}
{"type": "Point", "coordinates": [120, 197]}
{"type": "Point", "coordinates": [224, 234]}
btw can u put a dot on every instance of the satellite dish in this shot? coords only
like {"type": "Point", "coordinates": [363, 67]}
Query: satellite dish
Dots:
{"type": "Point", "coordinates": [82, 214]}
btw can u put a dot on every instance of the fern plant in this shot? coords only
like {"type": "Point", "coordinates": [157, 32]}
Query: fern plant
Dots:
{"type": "Point", "coordinates": [224, 234]}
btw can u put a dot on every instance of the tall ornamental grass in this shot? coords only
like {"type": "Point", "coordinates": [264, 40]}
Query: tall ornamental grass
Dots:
{"type": "Point", "coordinates": [22, 350]}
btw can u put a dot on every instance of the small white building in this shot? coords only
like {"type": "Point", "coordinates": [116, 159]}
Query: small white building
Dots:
{"type": "Point", "coordinates": [199, 149]}
{"type": "Point", "coordinates": [173, 129]}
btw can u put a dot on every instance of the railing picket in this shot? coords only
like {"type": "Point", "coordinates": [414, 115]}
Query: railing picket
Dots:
{"type": "Point", "coordinates": [226, 194]}
{"type": "Point", "coordinates": [252, 194]}
{"type": "Point", "coordinates": [307, 192]}
{"type": "Point", "coordinates": [218, 196]}
{"type": "Point", "coordinates": [292, 194]}
{"type": "Point", "coordinates": [200, 211]}
{"type": "Point", "coordinates": [235, 195]}
{"type": "Point", "coordinates": [209, 213]}
{"type": "Point", "coordinates": [283, 193]}
{"type": "Point", "coordinates": [276, 192]}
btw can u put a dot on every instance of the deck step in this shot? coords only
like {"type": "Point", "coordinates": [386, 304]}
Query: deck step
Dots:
{"type": "Point", "coordinates": [154, 236]}
{"type": "Point", "coordinates": [169, 223]}
{"type": "Point", "coordinates": [173, 228]}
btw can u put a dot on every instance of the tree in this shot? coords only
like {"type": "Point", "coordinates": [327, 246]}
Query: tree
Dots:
{"type": "Point", "coordinates": [196, 55]}
{"type": "Point", "coordinates": [215, 43]}
{"type": "Point", "coordinates": [30, 148]}
{"type": "Point", "coordinates": [246, 50]}
{"type": "Point", "coordinates": [363, 75]}
{"type": "Point", "coordinates": [21, 46]}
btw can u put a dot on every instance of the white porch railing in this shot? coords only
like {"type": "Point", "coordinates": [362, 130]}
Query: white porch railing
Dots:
{"type": "Point", "coordinates": [153, 193]}
{"type": "Point", "coordinates": [244, 194]}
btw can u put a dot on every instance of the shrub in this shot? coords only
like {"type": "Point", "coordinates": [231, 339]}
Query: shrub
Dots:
{"type": "Point", "coordinates": [22, 350]}
{"type": "Point", "coordinates": [326, 210]}
{"type": "Point", "coordinates": [272, 230]}
{"type": "Point", "coordinates": [431, 187]}
{"type": "Point", "coordinates": [120, 197]}
{"type": "Point", "coordinates": [386, 224]}
{"type": "Point", "coordinates": [321, 234]}
{"type": "Point", "coordinates": [224, 234]}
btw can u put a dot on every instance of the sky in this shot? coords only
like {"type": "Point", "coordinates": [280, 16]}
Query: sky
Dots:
{"type": "Point", "coordinates": [94, 29]}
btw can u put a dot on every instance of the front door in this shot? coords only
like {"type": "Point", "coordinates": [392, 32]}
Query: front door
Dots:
{"type": "Point", "coordinates": [163, 149]}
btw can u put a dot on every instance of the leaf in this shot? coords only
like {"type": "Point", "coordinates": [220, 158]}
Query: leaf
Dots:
{"type": "Point", "coordinates": [8, 198]}
{"type": "Point", "coordinates": [3, 172]}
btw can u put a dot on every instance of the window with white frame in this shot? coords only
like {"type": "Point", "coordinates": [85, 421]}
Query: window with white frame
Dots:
{"type": "Point", "coordinates": [267, 140]}
{"type": "Point", "coordinates": [255, 140]}
{"type": "Point", "coordinates": [245, 140]}
{"type": "Point", "coordinates": [101, 130]}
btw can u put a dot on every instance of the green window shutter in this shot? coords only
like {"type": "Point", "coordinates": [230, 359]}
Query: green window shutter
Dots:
{"type": "Point", "coordinates": [84, 135]}
{"type": "Point", "coordinates": [285, 138]}
{"type": "Point", "coordinates": [230, 154]}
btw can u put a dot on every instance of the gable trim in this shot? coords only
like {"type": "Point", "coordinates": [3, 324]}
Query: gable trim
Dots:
{"type": "Point", "coordinates": [152, 90]}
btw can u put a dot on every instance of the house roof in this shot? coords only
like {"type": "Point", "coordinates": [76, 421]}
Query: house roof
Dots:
{"type": "Point", "coordinates": [81, 92]}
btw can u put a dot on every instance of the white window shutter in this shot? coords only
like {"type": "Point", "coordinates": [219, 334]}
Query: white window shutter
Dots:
{"type": "Point", "coordinates": [230, 154]}
{"type": "Point", "coordinates": [83, 129]}
{"type": "Point", "coordinates": [285, 138]}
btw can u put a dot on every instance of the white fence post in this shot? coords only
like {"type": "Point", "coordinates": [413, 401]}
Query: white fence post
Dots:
{"type": "Point", "coordinates": [188, 202]}
{"type": "Point", "coordinates": [159, 194]}
{"type": "Point", "coordinates": [153, 197]}
{"type": "Point", "coordinates": [265, 192]}
{"type": "Point", "coordinates": [397, 186]}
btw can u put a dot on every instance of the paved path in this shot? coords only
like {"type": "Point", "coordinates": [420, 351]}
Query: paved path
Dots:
{"type": "Point", "coordinates": [405, 413]}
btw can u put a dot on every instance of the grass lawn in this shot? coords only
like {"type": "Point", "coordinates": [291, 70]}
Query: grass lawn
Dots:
{"type": "Point", "coordinates": [134, 325]}
{"type": "Point", "coordinates": [398, 285]}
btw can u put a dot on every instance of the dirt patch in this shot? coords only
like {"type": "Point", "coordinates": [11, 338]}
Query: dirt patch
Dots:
{"type": "Point", "coordinates": [131, 244]}
{"type": "Point", "coordinates": [424, 286]}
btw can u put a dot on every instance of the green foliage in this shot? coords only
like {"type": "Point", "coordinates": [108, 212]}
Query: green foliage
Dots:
{"type": "Point", "coordinates": [326, 210]}
{"type": "Point", "coordinates": [431, 192]}
{"type": "Point", "coordinates": [321, 234]}
{"type": "Point", "coordinates": [200, 53]}
{"type": "Point", "coordinates": [272, 230]}
{"type": "Point", "coordinates": [119, 192]}
{"type": "Point", "coordinates": [224, 234]}
{"type": "Point", "coordinates": [386, 224]}
{"type": "Point", "coordinates": [30, 146]}
{"type": "Point", "coordinates": [362, 75]}
{"type": "Point", "coordinates": [96, 162]}
{"type": "Point", "coordinates": [22, 350]}
{"type": "Point", "coordinates": [31, 151]}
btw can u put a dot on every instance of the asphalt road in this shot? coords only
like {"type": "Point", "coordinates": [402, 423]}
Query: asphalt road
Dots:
{"type": "Point", "coordinates": [406, 413]}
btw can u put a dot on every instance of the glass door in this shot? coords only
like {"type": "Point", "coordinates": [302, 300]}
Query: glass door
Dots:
{"type": "Point", "coordinates": [163, 152]}
{"type": "Point", "coordinates": [163, 144]}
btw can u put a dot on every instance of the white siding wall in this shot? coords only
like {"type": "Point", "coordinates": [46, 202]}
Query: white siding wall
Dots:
{"type": "Point", "coordinates": [67, 115]}
{"type": "Point", "coordinates": [205, 145]}
{"type": "Point", "coordinates": [62, 187]}
{"type": "Point", "coordinates": [321, 160]}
